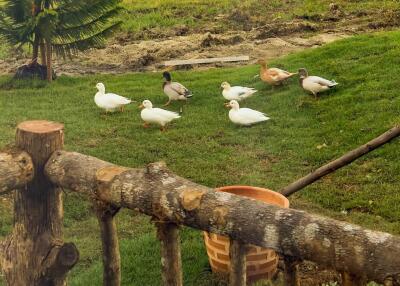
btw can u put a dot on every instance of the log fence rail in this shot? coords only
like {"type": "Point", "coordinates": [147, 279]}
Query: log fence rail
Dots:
{"type": "Point", "coordinates": [35, 254]}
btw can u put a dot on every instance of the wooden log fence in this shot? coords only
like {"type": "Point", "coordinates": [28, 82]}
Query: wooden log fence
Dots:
{"type": "Point", "coordinates": [171, 200]}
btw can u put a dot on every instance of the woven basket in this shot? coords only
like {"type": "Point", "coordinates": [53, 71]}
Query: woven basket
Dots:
{"type": "Point", "coordinates": [261, 263]}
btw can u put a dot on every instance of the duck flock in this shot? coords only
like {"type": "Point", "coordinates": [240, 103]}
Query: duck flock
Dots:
{"type": "Point", "coordinates": [111, 102]}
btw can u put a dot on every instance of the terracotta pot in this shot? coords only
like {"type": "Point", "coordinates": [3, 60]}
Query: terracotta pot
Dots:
{"type": "Point", "coordinates": [261, 263]}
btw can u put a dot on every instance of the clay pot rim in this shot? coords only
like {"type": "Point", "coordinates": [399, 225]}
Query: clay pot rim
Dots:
{"type": "Point", "coordinates": [259, 189]}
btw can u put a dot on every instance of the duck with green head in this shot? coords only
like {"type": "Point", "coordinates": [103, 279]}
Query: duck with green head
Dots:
{"type": "Point", "coordinates": [174, 90]}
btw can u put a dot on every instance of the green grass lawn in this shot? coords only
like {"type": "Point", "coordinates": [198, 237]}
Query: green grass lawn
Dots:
{"type": "Point", "coordinates": [205, 147]}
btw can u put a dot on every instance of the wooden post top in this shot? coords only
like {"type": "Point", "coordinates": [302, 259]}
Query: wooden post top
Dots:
{"type": "Point", "coordinates": [40, 126]}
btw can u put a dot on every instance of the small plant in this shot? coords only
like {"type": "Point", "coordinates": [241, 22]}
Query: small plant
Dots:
{"type": "Point", "coordinates": [330, 284]}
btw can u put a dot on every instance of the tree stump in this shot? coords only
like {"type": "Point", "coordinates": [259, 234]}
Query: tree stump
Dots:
{"type": "Point", "coordinates": [34, 254]}
{"type": "Point", "coordinates": [33, 70]}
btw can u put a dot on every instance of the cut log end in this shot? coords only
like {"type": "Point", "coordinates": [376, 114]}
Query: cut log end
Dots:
{"type": "Point", "coordinates": [68, 255]}
{"type": "Point", "coordinates": [40, 126]}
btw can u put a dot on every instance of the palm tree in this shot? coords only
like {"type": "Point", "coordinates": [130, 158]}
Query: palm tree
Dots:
{"type": "Point", "coordinates": [62, 27]}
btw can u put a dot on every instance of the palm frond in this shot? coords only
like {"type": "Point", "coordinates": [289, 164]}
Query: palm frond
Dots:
{"type": "Point", "coordinates": [68, 48]}
{"type": "Point", "coordinates": [75, 12]}
{"type": "Point", "coordinates": [69, 25]}
{"type": "Point", "coordinates": [84, 30]}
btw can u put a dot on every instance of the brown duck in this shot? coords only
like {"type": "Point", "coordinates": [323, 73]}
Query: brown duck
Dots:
{"type": "Point", "coordinates": [273, 76]}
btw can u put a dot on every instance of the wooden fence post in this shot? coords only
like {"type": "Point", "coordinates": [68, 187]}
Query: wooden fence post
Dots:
{"type": "Point", "coordinates": [237, 271]}
{"type": "Point", "coordinates": [34, 254]}
{"type": "Point", "coordinates": [171, 262]}
{"type": "Point", "coordinates": [351, 280]}
{"type": "Point", "coordinates": [109, 239]}
{"type": "Point", "coordinates": [291, 265]}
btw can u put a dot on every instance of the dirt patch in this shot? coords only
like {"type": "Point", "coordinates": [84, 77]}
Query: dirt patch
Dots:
{"type": "Point", "coordinates": [149, 55]}
{"type": "Point", "coordinates": [267, 40]}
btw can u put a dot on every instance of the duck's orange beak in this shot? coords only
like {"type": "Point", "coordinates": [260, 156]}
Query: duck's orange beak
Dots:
{"type": "Point", "coordinates": [141, 106]}
{"type": "Point", "coordinates": [227, 105]}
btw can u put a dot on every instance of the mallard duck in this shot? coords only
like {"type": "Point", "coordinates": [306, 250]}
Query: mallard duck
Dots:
{"type": "Point", "coordinates": [237, 93]}
{"type": "Point", "coordinates": [156, 115]}
{"type": "Point", "coordinates": [273, 76]}
{"type": "Point", "coordinates": [315, 84]}
{"type": "Point", "coordinates": [174, 90]}
{"type": "Point", "coordinates": [244, 116]}
{"type": "Point", "coordinates": [109, 101]}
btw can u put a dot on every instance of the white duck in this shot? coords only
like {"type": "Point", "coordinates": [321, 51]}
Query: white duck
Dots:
{"type": "Point", "coordinates": [156, 115]}
{"type": "Point", "coordinates": [244, 116]}
{"type": "Point", "coordinates": [109, 101]}
{"type": "Point", "coordinates": [174, 90]}
{"type": "Point", "coordinates": [315, 84]}
{"type": "Point", "coordinates": [237, 93]}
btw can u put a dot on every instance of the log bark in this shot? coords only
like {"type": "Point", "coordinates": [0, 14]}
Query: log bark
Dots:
{"type": "Point", "coordinates": [341, 162]}
{"type": "Point", "coordinates": [110, 245]}
{"type": "Point", "coordinates": [237, 271]}
{"type": "Point", "coordinates": [34, 253]}
{"type": "Point", "coordinates": [16, 170]}
{"type": "Point", "coordinates": [158, 192]}
{"type": "Point", "coordinates": [171, 262]}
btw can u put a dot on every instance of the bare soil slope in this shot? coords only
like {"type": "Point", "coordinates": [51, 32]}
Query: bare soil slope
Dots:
{"type": "Point", "coordinates": [268, 38]}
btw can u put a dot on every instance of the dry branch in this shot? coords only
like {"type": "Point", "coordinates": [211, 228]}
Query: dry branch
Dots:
{"type": "Point", "coordinates": [341, 162]}
{"type": "Point", "coordinates": [16, 170]}
{"type": "Point", "coordinates": [158, 192]}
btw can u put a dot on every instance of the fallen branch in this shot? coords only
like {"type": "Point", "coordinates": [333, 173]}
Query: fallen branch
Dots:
{"type": "Point", "coordinates": [156, 191]}
{"type": "Point", "coordinates": [341, 162]}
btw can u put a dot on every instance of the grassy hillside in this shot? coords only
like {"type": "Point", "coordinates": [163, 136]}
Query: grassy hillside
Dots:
{"type": "Point", "coordinates": [157, 19]}
{"type": "Point", "coordinates": [221, 15]}
{"type": "Point", "coordinates": [205, 147]}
